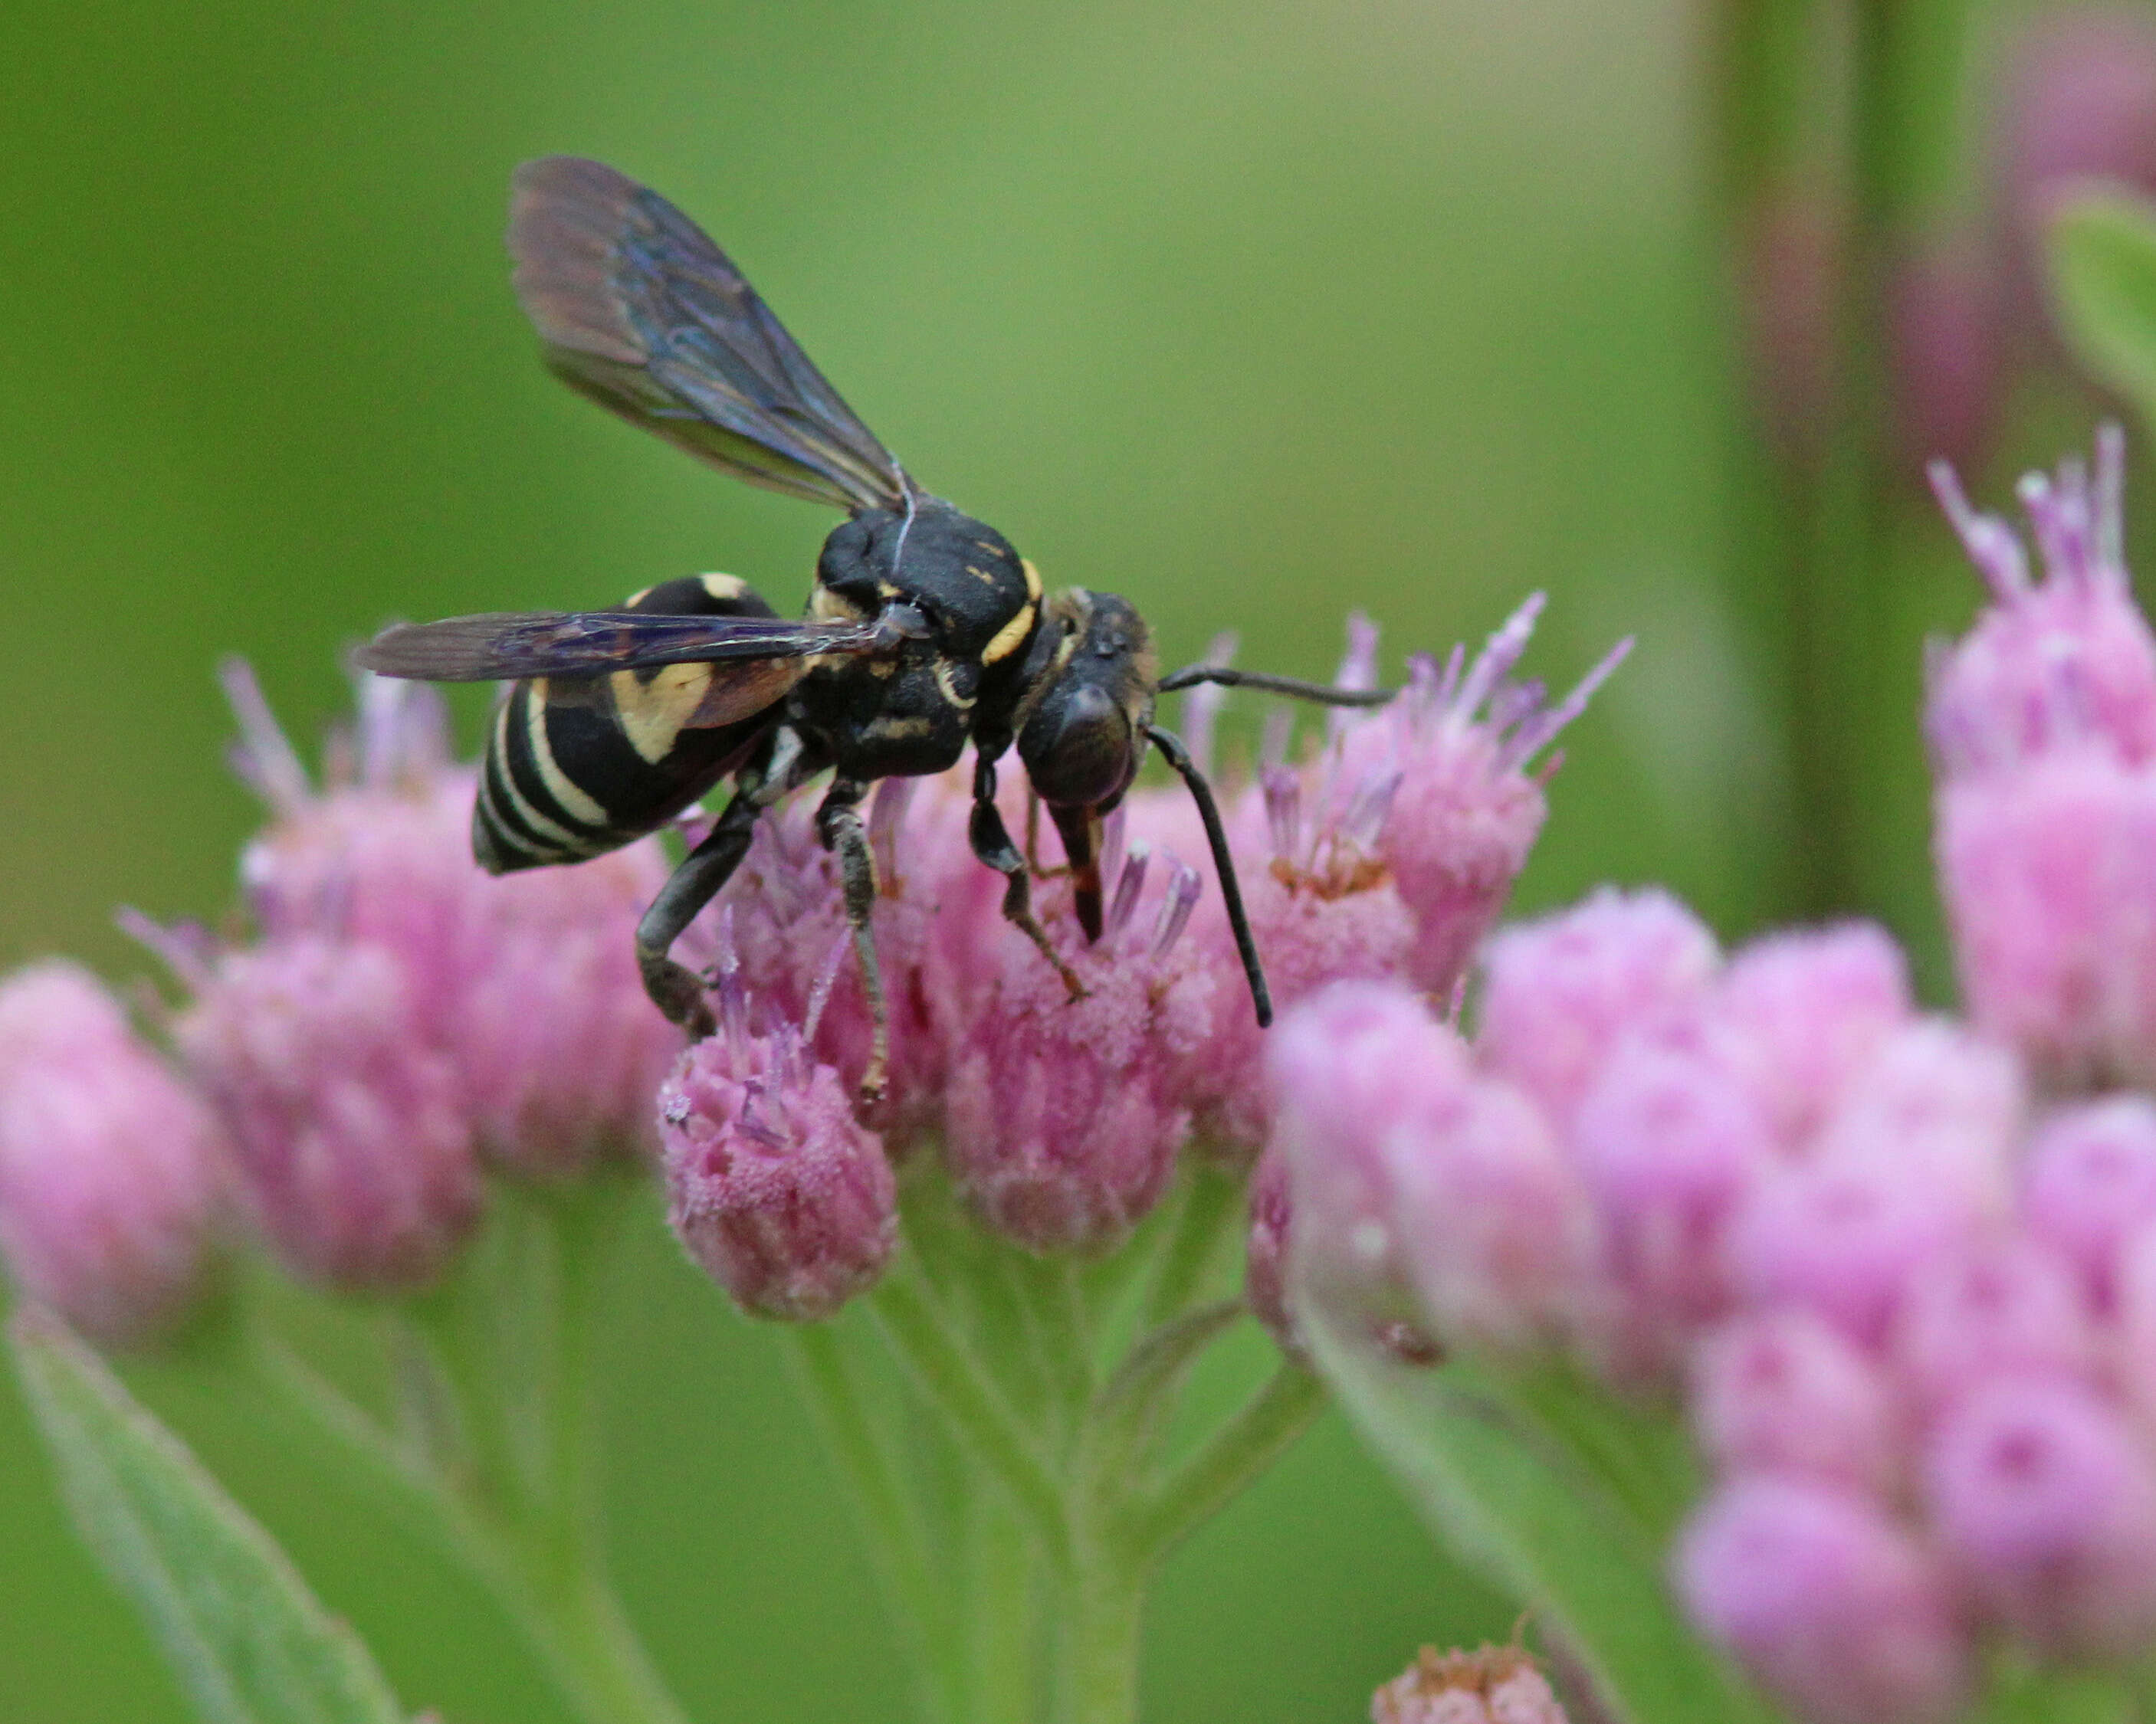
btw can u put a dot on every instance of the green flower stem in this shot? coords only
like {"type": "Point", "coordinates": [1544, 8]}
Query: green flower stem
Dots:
{"type": "Point", "coordinates": [960, 1387]}
{"type": "Point", "coordinates": [1063, 1503]}
{"type": "Point", "coordinates": [917, 1595]}
{"type": "Point", "coordinates": [1100, 1607]}
{"type": "Point", "coordinates": [1212, 1203]}
{"type": "Point", "coordinates": [494, 1447]}
{"type": "Point", "coordinates": [1234, 1456]}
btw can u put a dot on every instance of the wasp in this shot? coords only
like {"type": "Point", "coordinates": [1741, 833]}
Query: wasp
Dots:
{"type": "Point", "coordinates": [925, 629]}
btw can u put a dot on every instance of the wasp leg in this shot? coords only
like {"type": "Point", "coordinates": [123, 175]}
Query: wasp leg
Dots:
{"type": "Point", "coordinates": [1034, 866]}
{"type": "Point", "coordinates": [676, 991]}
{"type": "Point", "coordinates": [840, 825]}
{"type": "Point", "coordinates": [993, 846]}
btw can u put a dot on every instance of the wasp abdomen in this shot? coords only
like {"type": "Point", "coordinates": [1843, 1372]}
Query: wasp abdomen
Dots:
{"type": "Point", "coordinates": [578, 766]}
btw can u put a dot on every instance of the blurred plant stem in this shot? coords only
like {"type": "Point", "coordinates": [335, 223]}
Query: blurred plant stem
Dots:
{"type": "Point", "coordinates": [1813, 477]}
{"type": "Point", "coordinates": [1030, 1472]}
{"type": "Point", "coordinates": [491, 1441]}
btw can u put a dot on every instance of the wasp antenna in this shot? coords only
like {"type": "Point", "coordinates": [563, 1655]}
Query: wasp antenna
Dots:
{"type": "Point", "coordinates": [1224, 864]}
{"type": "Point", "coordinates": [1323, 693]}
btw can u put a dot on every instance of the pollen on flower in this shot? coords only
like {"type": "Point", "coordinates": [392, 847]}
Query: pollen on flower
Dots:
{"type": "Point", "coordinates": [1491, 1684]}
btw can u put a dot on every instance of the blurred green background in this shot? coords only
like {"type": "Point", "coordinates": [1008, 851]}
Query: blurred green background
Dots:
{"type": "Point", "coordinates": [1254, 312]}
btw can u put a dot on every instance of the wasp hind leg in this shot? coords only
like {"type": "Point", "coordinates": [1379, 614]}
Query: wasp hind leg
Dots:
{"type": "Point", "coordinates": [993, 846]}
{"type": "Point", "coordinates": [676, 989]}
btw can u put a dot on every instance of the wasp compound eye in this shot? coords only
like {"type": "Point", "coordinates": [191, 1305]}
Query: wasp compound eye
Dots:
{"type": "Point", "coordinates": [1078, 747]}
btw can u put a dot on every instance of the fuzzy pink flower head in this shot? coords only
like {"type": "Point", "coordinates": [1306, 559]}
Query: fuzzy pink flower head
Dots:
{"type": "Point", "coordinates": [1780, 1391]}
{"type": "Point", "coordinates": [1560, 993]}
{"type": "Point", "coordinates": [2005, 1307]}
{"type": "Point", "coordinates": [559, 1047]}
{"type": "Point", "coordinates": [2049, 877]}
{"type": "Point", "coordinates": [1492, 1685]}
{"type": "Point", "coordinates": [1463, 812]}
{"type": "Point", "coordinates": [1936, 1106]}
{"type": "Point", "coordinates": [528, 983]}
{"type": "Point", "coordinates": [2089, 1182]}
{"type": "Point", "coordinates": [1842, 1239]}
{"type": "Point", "coordinates": [774, 1189]}
{"type": "Point", "coordinates": [2044, 1501]}
{"type": "Point", "coordinates": [1826, 1601]}
{"type": "Point", "coordinates": [1352, 1069]}
{"type": "Point", "coordinates": [382, 852]}
{"type": "Point", "coordinates": [2064, 662]}
{"type": "Point", "coordinates": [1495, 1227]}
{"type": "Point", "coordinates": [111, 1169]}
{"type": "Point", "coordinates": [354, 1151]}
{"type": "Point", "coordinates": [1671, 1142]}
{"type": "Point", "coordinates": [1799, 1015]}
{"type": "Point", "coordinates": [1063, 1117]}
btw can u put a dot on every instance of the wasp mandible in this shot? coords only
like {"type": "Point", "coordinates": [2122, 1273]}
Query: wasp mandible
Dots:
{"type": "Point", "coordinates": [925, 629]}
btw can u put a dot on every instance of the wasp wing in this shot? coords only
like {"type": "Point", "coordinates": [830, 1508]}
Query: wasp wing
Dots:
{"type": "Point", "coordinates": [506, 645]}
{"type": "Point", "coordinates": [641, 311]}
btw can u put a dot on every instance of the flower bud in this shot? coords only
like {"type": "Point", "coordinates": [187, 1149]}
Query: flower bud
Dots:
{"type": "Point", "coordinates": [2089, 1181]}
{"type": "Point", "coordinates": [1799, 1015]}
{"type": "Point", "coordinates": [1937, 1106]}
{"type": "Point", "coordinates": [1781, 1392]}
{"type": "Point", "coordinates": [1842, 1241]}
{"type": "Point", "coordinates": [353, 1148]}
{"type": "Point", "coordinates": [2059, 663]}
{"type": "Point", "coordinates": [1669, 1142]}
{"type": "Point", "coordinates": [1826, 1601]}
{"type": "Point", "coordinates": [1351, 1068]}
{"type": "Point", "coordinates": [111, 1170]}
{"type": "Point", "coordinates": [1494, 1225]}
{"type": "Point", "coordinates": [2002, 1307]}
{"type": "Point", "coordinates": [775, 1190]}
{"type": "Point", "coordinates": [1560, 993]}
{"type": "Point", "coordinates": [2048, 873]}
{"type": "Point", "coordinates": [2043, 1500]}
{"type": "Point", "coordinates": [1493, 1684]}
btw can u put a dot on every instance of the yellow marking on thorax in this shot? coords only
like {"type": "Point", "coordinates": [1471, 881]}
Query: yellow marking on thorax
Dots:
{"type": "Point", "coordinates": [1011, 636]}
{"type": "Point", "coordinates": [981, 574]}
{"type": "Point", "coordinates": [826, 606]}
{"type": "Point", "coordinates": [1032, 579]}
{"type": "Point", "coordinates": [653, 713]}
{"type": "Point", "coordinates": [724, 587]}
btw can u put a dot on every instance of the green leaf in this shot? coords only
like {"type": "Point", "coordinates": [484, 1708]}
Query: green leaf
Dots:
{"type": "Point", "coordinates": [1562, 1496]}
{"type": "Point", "coordinates": [251, 1645]}
{"type": "Point", "coordinates": [2103, 256]}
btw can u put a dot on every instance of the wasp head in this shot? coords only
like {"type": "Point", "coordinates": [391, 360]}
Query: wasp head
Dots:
{"type": "Point", "coordinates": [1084, 732]}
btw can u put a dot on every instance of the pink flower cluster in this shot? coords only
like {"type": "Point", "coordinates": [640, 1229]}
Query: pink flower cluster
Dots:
{"type": "Point", "coordinates": [399, 1024]}
{"type": "Point", "coordinates": [1386, 853]}
{"type": "Point", "coordinates": [1902, 1270]}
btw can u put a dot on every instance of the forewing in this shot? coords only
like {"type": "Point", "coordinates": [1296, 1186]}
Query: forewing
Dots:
{"type": "Point", "coordinates": [641, 311]}
{"type": "Point", "coordinates": [505, 645]}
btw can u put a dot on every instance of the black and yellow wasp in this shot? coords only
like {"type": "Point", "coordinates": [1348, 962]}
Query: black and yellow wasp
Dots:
{"type": "Point", "coordinates": [926, 631]}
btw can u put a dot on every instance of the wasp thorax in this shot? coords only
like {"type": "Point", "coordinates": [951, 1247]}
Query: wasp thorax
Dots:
{"type": "Point", "coordinates": [1083, 740]}
{"type": "Point", "coordinates": [961, 573]}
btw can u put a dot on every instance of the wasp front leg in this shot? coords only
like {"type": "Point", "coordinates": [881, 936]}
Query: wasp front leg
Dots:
{"type": "Point", "coordinates": [993, 846]}
{"type": "Point", "coordinates": [839, 826]}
